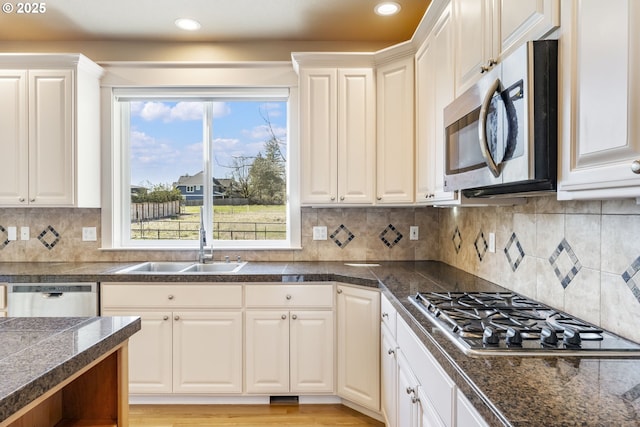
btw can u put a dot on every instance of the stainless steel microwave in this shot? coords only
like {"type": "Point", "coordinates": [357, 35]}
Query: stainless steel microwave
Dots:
{"type": "Point", "coordinates": [501, 135]}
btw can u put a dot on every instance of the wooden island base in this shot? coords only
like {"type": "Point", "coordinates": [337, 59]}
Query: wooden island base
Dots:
{"type": "Point", "coordinates": [96, 396]}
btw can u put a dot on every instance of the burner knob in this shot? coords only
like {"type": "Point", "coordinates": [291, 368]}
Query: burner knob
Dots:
{"type": "Point", "coordinates": [490, 336]}
{"type": "Point", "coordinates": [513, 337]}
{"type": "Point", "coordinates": [548, 337]}
{"type": "Point", "coordinates": [571, 338]}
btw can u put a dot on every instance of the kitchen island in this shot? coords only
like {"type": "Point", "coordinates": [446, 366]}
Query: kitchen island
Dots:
{"type": "Point", "coordinates": [505, 390]}
{"type": "Point", "coordinates": [64, 371]}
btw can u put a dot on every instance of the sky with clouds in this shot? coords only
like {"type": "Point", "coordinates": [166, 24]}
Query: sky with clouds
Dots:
{"type": "Point", "coordinates": [166, 137]}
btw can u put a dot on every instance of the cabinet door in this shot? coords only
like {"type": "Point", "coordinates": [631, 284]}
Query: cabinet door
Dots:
{"type": "Point", "coordinates": [207, 348]}
{"type": "Point", "coordinates": [395, 158]}
{"type": "Point", "coordinates": [466, 414]}
{"type": "Point", "coordinates": [358, 314]}
{"type": "Point", "coordinates": [356, 136]}
{"type": "Point", "coordinates": [522, 20]}
{"type": "Point", "coordinates": [389, 374]}
{"type": "Point", "coordinates": [14, 173]}
{"type": "Point", "coordinates": [407, 395]}
{"type": "Point", "coordinates": [600, 100]}
{"type": "Point", "coordinates": [51, 140]}
{"type": "Point", "coordinates": [150, 352]}
{"type": "Point", "coordinates": [267, 351]}
{"type": "Point", "coordinates": [474, 48]}
{"type": "Point", "coordinates": [312, 351]}
{"type": "Point", "coordinates": [318, 135]}
{"type": "Point", "coordinates": [434, 91]}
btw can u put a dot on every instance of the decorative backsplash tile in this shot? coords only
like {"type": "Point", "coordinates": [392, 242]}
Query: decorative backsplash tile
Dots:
{"type": "Point", "coordinates": [342, 236]}
{"type": "Point", "coordinates": [481, 245]}
{"type": "Point", "coordinates": [628, 277]}
{"type": "Point", "coordinates": [514, 252]}
{"type": "Point", "coordinates": [457, 240]}
{"type": "Point", "coordinates": [6, 240]}
{"type": "Point", "coordinates": [390, 236]}
{"type": "Point", "coordinates": [565, 263]}
{"type": "Point", "coordinates": [49, 241]}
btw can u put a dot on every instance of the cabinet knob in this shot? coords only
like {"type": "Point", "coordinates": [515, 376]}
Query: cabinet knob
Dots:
{"type": "Point", "coordinates": [165, 318]}
{"type": "Point", "coordinates": [379, 197]}
{"type": "Point", "coordinates": [341, 197]}
{"type": "Point", "coordinates": [339, 291]}
{"type": "Point", "coordinates": [288, 296]}
{"type": "Point", "coordinates": [32, 200]}
{"type": "Point", "coordinates": [294, 317]}
{"type": "Point", "coordinates": [635, 166]}
{"type": "Point", "coordinates": [284, 316]}
{"type": "Point", "coordinates": [21, 199]}
{"type": "Point", "coordinates": [391, 352]}
{"type": "Point", "coordinates": [385, 315]}
{"type": "Point", "coordinates": [333, 198]}
{"type": "Point", "coordinates": [410, 390]}
{"type": "Point", "coordinates": [170, 297]}
{"type": "Point", "coordinates": [176, 317]}
{"type": "Point", "coordinates": [415, 400]}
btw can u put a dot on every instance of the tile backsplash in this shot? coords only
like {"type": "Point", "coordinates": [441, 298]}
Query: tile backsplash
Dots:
{"type": "Point", "coordinates": [581, 257]}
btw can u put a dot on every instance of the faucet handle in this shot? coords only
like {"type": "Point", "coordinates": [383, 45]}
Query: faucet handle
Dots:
{"type": "Point", "coordinates": [239, 259]}
{"type": "Point", "coordinates": [226, 259]}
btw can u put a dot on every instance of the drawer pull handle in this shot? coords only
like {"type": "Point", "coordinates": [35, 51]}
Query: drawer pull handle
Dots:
{"type": "Point", "coordinates": [288, 296]}
{"type": "Point", "coordinates": [170, 297]}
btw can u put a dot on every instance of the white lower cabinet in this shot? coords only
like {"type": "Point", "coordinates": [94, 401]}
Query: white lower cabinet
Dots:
{"type": "Point", "coordinates": [289, 347]}
{"type": "Point", "coordinates": [191, 336]}
{"type": "Point", "coordinates": [388, 377]}
{"type": "Point", "coordinates": [358, 317]}
{"type": "Point", "coordinates": [407, 400]}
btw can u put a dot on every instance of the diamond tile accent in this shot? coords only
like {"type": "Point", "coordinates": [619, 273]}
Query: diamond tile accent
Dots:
{"type": "Point", "coordinates": [481, 245]}
{"type": "Point", "coordinates": [457, 240]}
{"type": "Point", "coordinates": [46, 241]}
{"type": "Point", "coordinates": [514, 252]}
{"type": "Point", "coordinates": [342, 236]}
{"type": "Point", "coordinates": [6, 240]}
{"type": "Point", "coordinates": [393, 234]}
{"type": "Point", "coordinates": [568, 263]}
{"type": "Point", "coordinates": [628, 277]}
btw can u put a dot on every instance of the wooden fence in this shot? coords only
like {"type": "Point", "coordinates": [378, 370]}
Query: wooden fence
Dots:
{"type": "Point", "coordinates": [150, 211]}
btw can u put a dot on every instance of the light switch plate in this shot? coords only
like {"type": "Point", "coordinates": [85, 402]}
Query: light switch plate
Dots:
{"type": "Point", "coordinates": [492, 242]}
{"type": "Point", "coordinates": [89, 234]}
{"type": "Point", "coordinates": [24, 233]}
{"type": "Point", "coordinates": [319, 233]}
{"type": "Point", "coordinates": [413, 232]}
{"type": "Point", "coordinates": [12, 233]}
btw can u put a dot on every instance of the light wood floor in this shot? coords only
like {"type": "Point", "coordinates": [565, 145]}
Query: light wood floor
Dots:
{"type": "Point", "coordinates": [246, 416]}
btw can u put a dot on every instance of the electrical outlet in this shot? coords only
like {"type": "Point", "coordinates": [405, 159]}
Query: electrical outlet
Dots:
{"type": "Point", "coordinates": [492, 242]}
{"type": "Point", "coordinates": [12, 233]}
{"type": "Point", "coordinates": [89, 234]}
{"type": "Point", "coordinates": [320, 233]}
{"type": "Point", "coordinates": [24, 233]}
{"type": "Point", "coordinates": [413, 232]}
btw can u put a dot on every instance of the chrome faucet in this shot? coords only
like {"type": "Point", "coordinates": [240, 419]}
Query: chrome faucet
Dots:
{"type": "Point", "coordinates": [203, 241]}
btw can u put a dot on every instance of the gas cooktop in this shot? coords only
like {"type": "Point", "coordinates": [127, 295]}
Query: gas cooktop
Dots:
{"type": "Point", "coordinates": [505, 323]}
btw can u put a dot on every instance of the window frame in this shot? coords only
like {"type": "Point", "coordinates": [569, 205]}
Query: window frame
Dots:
{"type": "Point", "coordinates": [115, 220]}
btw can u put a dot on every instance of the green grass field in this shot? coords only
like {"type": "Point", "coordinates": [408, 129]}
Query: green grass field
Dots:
{"type": "Point", "coordinates": [250, 222]}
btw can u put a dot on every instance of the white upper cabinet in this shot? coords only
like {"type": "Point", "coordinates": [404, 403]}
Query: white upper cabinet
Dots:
{"type": "Point", "coordinates": [50, 131]}
{"type": "Point", "coordinates": [337, 134]}
{"type": "Point", "coordinates": [600, 100]}
{"type": "Point", "coordinates": [487, 30]}
{"type": "Point", "coordinates": [434, 91]}
{"type": "Point", "coordinates": [395, 152]}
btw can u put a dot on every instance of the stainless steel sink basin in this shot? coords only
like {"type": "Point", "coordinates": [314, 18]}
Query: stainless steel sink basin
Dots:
{"type": "Point", "coordinates": [215, 267]}
{"type": "Point", "coordinates": [175, 267]}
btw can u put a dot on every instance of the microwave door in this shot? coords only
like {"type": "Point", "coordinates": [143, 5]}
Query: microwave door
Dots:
{"type": "Point", "coordinates": [490, 126]}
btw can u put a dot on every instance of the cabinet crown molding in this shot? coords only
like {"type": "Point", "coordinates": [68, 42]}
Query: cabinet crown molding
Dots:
{"type": "Point", "coordinates": [332, 59]}
{"type": "Point", "coordinates": [49, 60]}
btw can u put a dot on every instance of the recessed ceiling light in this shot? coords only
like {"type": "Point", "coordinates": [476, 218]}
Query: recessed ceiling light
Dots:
{"type": "Point", "coordinates": [387, 8]}
{"type": "Point", "coordinates": [187, 24]}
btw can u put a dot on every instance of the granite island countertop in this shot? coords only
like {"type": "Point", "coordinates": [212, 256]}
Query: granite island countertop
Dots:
{"type": "Point", "coordinates": [37, 354]}
{"type": "Point", "coordinates": [506, 390]}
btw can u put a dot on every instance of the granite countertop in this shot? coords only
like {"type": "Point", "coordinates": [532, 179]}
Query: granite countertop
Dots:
{"type": "Point", "coordinates": [37, 353]}
{"type": "Point", "coordinates": [506, 390]}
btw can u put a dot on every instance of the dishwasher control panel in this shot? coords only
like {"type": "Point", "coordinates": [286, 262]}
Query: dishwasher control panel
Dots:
{"type": "Point", "coordinates": [52, 299]}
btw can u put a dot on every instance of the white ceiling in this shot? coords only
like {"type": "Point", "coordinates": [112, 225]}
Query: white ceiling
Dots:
{"type": "Point", "coordinates": [222, 21]}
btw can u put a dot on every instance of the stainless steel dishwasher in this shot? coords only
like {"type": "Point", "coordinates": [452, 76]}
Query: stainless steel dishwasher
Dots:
{"type": "Point", "coordinates": [52, 299]}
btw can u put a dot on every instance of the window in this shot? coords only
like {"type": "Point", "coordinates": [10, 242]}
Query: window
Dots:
{"type": "Point", "coordinates": [222, 156]}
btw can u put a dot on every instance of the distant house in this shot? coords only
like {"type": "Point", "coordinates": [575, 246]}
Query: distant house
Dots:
{"type": "Point", "coordinates": [191, 187]}
{"type": "Point", "coordinates": [137, 190]}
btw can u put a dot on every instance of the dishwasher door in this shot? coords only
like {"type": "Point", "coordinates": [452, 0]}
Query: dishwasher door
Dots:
{"type": "Point", "coordinates": [52, 300]}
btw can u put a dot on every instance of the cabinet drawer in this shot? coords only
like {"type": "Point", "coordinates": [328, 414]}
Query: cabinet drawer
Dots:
{"type": "Point", "coordinates": [289, 295]}
{"type": "Point", "coordinates": [3, 296]}
{"type": "Point", "coordinates": [438, 387]}
{"type": "Point", "coordinates": [171, 295]}
{"type": "Point", "coordinates": [388, 315]}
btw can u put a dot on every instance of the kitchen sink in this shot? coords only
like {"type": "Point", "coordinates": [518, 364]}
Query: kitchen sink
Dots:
{"type": "Point", "coordinates": [215, 267]}
{"type": "Point", "coordinates": [179, 267]}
